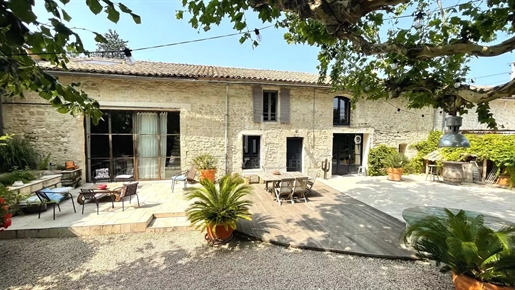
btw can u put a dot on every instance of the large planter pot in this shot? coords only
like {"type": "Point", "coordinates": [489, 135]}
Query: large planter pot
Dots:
{"type": "Point", "coordinates": [394, 174]}
{"type": "Point", "coordinates": [463, 282]}
{"type": "Point", "coordinates": [208, 174]}
{"type": "Point", "coordinates": [503, 180]}
{"type": "Point", "coordinates": [221, 235]}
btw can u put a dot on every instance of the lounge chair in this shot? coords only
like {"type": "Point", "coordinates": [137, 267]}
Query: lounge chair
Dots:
{"type": "Point", "coordinates": [285, 188]}
{"type": "Point", "coordinates": [47, 196]}
{"type": "Point", "coordinates": [185, 177]}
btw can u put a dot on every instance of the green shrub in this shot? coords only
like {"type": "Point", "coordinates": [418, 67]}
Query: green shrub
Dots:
{"type": "Point", "coordinates": [377, 157]}
{"type": "Point", "coordinates": [465, 245]}
{"type": "Point", "coordinates": [396, 160]}
{"type": "Point", "coordinates": [43, 162]}
{"type": "Point", "coordinates": [17, 152]}
{"type": "Point", "coordinates": [23, 175]}
{"type": "Point", "coordinates": [423, 148]}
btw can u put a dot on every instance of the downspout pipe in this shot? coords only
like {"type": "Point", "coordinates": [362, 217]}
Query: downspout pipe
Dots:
{"type": "Point", "coordinates": [226, 127]}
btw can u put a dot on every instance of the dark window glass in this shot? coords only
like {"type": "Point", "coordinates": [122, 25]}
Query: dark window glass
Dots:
{"type": "Point", "coordinates": [99, 146]}
{"type": "Point", "coordinates": [269, 106]}
{"type": "Point", "coordinates": [102, 126]}
{"type": "Point", "coordinates": [251, 158]}
{"type": "Point", "coordinates": [121, 122]}
{"type": "Point", "coordinates": [173, 123]}
{"type": "Point", "coordinates": [122, 146]}
{"type": "Point", "coordinates": [341, 111]}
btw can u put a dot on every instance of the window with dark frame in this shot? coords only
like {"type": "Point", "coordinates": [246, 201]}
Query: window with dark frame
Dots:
{"type": "Point", "coordinates": [341, 111]}
{"type": "Point", "coordinates": [270, 106]}
{"type": "Point", "coordinates": [251, 150]}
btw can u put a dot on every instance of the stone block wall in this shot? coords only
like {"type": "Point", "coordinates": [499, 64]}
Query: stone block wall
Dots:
{"type": "Point", "coordinates": [202, 108]}
{"type": "Point", "coordinates": [53, 133]}
{"type": "Point", "coordinates": [503, 111]}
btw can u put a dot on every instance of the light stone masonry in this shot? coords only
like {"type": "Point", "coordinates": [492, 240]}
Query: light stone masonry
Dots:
{"type": "Point", "coordinates": [203, 120]}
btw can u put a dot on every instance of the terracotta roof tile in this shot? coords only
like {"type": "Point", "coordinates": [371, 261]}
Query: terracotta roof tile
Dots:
{"type": "Point", "coordinates": [162, 69]}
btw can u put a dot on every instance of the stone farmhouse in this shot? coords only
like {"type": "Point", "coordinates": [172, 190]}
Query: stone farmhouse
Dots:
{"type": "Point", "coordinates": [158, 116]}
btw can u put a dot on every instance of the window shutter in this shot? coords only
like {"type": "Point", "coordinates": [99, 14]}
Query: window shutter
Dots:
{"type": "Point", "coordinates": [257, 103]}
{"type": "Point", "coordinates": [285, 106]}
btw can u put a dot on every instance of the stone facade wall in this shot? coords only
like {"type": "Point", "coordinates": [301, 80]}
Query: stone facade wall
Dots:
{"type": "Point", "coordinates": [503, 111]}
{"type": "Point", "coordinates": [202, 106]}
{"type": "Point", "coordinates": [53, 133]}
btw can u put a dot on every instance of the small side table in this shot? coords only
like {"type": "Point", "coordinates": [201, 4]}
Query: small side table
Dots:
{"type": "Point", "coordinates": [433, 173]}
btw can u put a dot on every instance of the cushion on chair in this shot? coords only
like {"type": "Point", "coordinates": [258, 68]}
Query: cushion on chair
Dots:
{"type": "Point", "coordinates": [100, 195]}
{"type": "Point", "coordinates": [125, 176]}
{"type": "Point", "coordinates": [55, 197]}
{"type": "Point", "coordinates": [180, 178]}
{"type": "Point", "coordinates": [31, 200]}
{"type": "Point", "coordinates": [60, 190]}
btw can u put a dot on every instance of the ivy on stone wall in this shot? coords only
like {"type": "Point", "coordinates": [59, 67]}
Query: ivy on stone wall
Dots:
{"type": "Point", "coordinates": [500, 149]}
{"type": "Point", "coordinates": [423, 148]}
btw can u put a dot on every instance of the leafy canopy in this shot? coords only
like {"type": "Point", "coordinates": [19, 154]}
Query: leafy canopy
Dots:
{"type": "Point", "coordinates": [50, 39]}
{"type": "Point", "coordinates": [372, 49]}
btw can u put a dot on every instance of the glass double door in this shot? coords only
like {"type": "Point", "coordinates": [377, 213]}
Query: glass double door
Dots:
{"type": "Point", "coordinates": [146, 144]}
{"type": "Point", "coordinates": [347, 150]}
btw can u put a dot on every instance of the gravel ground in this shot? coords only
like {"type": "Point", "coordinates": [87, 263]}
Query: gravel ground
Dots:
{"type": "Point", "coordinates": [182, 260]}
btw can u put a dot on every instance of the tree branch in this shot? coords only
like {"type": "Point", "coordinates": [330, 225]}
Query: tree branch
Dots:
{"type": "Point", "coordinates": [480, 95]}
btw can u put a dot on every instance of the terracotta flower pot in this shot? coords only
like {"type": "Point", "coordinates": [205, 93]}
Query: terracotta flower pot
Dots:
{"type": "Point", "coordinates": [208, 174]}
{"type": "Point", "coordinates": [463, 282]}
{"type": "Point", "coordinates": [503, 180]}
{"type": "Point", "coordinates": [394, 174]}
{"type": "Point", "coordinates": [221, 233]}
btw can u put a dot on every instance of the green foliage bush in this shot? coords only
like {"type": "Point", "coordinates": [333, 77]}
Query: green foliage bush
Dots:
{"type": "Point", "coordinates": [500, 149]}
{"type": "Point", "coordinates": [43, 162]}
{"type": "Point", "coordinates": [17, 152]}
{"type": "Point", "coordinates": [8, 179]}
{"type": "Point", "coordinates": [423, 148]}
{"type": "Point", "coordinates": [377, 158]}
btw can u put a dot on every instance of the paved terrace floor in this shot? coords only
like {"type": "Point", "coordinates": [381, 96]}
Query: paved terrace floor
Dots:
{"type": "Point", "coordinates": [156, 200]}
{"type": "Point", "coordinates": [346, 214]}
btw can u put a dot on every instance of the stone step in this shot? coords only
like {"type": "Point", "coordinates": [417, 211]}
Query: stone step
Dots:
{"type": "Point", "coordinates": [169, 224]}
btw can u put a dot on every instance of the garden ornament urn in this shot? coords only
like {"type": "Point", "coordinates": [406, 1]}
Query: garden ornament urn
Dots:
{"type": "Point", "coordinates": [453, 138]}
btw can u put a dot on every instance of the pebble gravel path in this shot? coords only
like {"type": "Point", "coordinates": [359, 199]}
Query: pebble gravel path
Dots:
{"type": "Point", "coordinates": [183, 260]}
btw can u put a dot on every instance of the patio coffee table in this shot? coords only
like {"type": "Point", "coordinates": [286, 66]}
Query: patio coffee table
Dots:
{"type": "Point", "coordinates": [415, 214]}
{"type": "Point", "coordinates": [116, 192]}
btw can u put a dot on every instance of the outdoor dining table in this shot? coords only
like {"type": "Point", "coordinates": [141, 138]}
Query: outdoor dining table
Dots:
{"type": "Point", "coordinates": [268, 177]}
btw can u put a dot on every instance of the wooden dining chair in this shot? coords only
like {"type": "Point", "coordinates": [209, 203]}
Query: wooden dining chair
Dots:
{"type": "Point", "coordinates": [285, 189]}
{"type": "Point", "coordinates": [301, 188]}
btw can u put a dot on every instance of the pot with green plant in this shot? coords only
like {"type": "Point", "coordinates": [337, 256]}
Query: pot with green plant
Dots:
{"type": "Point", "coordinates": [477, 256]}
{"type": "Point", "coordinates": [218, 208]}
{"type": "Point", "coordinates": [507, 176]}
{"type": "Point", "coordinates": [394, 164]}
{"type": "Point", "coordinates": [206, 165]}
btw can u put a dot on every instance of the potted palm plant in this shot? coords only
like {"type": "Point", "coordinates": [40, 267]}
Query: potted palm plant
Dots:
{"type": "Point", "coordinates": [394, 164]}
{"type": "Point", "coordinates": [206, 165]}
{"type": "Point", "coordinates": [477, 256]}
{"type": "Point", "coordinates": [218, 208]}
